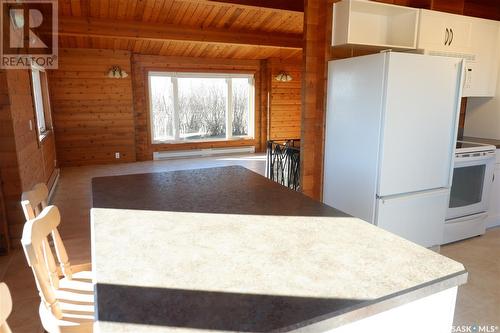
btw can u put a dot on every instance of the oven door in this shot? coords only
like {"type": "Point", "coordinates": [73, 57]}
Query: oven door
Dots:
{"type": "Point", "coordinates": [472, 178]}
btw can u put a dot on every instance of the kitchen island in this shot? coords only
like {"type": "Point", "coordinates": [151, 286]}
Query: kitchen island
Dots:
{"type": "Point", "coordinates": [225, 249]}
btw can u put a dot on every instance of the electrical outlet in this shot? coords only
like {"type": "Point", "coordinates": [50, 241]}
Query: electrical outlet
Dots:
{"type": "Point", "coordinates": [31, 125]}
{"type": "Point", "coordinates": [117, 155]}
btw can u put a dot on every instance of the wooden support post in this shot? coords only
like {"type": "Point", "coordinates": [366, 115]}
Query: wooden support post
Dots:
{"type": "Point", "coordinates": [313, 96]}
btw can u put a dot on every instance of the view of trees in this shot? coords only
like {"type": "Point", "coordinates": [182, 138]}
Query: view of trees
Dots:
{"type": "Point", "coordinates": [240, 104]}
{"type": "Point", "coordinates": [162, 108]}
{"type": "Point", "coordinates": [202, 107]}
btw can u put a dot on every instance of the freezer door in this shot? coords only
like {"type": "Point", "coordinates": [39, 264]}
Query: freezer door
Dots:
{"type": "Point", "coordinates": [418, 217]}
{"type": "Point", "coordinates": [422, 105]}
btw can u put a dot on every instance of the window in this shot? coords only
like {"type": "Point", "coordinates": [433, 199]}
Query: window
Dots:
{"type": "Point", "coordinates": [40, 100]}
{"type": "Point", "coordinates": [201, 107]}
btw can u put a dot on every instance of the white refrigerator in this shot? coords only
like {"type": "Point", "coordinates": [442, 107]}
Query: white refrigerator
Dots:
{"type": "Point", "coordinates": [391, 126]}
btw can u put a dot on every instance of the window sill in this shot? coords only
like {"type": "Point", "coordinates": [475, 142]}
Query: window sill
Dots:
{"type": "Point", "coordinates": [180, 142]}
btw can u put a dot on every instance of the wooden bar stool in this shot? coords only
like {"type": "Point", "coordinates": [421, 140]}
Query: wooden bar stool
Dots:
{"type": "Point", "coordinates": [67, 304]}
{"type": "Point", "coordinates": [33, 202]}
{"type": "Point", "coordinates": [5, 308]}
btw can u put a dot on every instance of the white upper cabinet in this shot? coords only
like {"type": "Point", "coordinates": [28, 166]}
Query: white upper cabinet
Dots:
{"type": "Point", "coordinates": [481, 71]}
{"type": "Point", "coordinates": [369, 23]}
{"type": "Point", "coordinates": [444, 32]}
{"type": "Point", "coordinates": [383, 26]}
{"type": "Point", "coordinates": [473, 39]}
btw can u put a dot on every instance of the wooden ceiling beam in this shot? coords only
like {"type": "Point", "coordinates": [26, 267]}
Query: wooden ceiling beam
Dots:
{"type": "Point", "coordinates": [288, 5]}
{"type": "Point", "coordinates": [90, 27]}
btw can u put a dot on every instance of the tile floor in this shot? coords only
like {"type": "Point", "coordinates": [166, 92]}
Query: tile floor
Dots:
{"type": "Point", "coordinates": [478, 301]}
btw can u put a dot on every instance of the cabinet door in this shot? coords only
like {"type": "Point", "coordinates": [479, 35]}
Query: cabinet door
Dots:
{"type": "Point", "coordinates": [494, 208]}
{"type": "Point", "coordinates": [459, 28]}
{"type": "Point", "coordinates": [481, 73]}
{"type": "Point", "coordinates": [410, 160]}
{"type": "Point", "coordinates": [432, 31]}
{"type": "Point", "coordinates": [418, 218]}
{"type": "Point", "coordinates": [444, 32]}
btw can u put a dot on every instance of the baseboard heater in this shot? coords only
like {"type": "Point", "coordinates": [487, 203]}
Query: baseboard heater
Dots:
{"type": "Point", "coordinates": [165, 155]}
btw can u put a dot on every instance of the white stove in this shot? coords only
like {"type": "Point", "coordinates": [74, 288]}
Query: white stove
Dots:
{"type": "Point", "coordinates": [470, 190]}
{"type": "Point", "coordinates": [463, 147]}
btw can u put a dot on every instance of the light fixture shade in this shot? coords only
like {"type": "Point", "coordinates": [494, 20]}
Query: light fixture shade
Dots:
{"type": "Point", "coordinates": [116, 72]}
{"type": "Point", "coordinates": [283, 77]}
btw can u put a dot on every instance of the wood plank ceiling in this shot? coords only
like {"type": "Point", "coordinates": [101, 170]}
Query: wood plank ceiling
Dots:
{"type": "Point", "coordinates": [205, 16]}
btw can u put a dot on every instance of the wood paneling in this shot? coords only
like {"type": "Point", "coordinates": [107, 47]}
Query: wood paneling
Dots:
{"type": "Point", "coordinates": [4, 230]}
{"type": "Point", "coordinates": [290, 5]}
{"type": "Point", "coordinates": [8, 160]}
{"type": "Point", "coordinates": [144, 63]}
{"type": "Point", "coordinates": [133, 30]}
{"type": "Point", "coordinates": [200, 14]}
{"type": "Point", "coordinates": [448, 6]}
{"type": "Point", "coordinates": [463, 108]}
{"type": "Point", "coordinates": [488, 9]}
{"type": "Point", "coordinates": [92, 114]}
{"type": "Point", "coordinates": [313, 95]}
{"type": "Point", "coordinates": [265, 82]}
{"type": "Point", "coordinates": [24, 161]}
{"type": "Point", "coordinates": [285, 101]}
{"type": "Point", "coordinates": [181, 48]}
{"type": "Point", "coordinates": [203, 16]}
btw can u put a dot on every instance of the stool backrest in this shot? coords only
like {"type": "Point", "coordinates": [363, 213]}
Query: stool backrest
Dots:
{"type": "Point", "coordinates": [33, 202]}
{"type": "Point", "coordinates": [39, 255]}
{"type": "Point", "coordinates": [5, 308]}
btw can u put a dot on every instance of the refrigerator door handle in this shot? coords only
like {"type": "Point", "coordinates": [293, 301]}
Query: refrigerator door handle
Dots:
{"type": "Point", "coordinates": [416, 194]}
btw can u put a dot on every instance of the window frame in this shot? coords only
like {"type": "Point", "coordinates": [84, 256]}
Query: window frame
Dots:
{"type": "Point", "coordinates": [227, 75]}
{"type": "Point", "coordinates": [44, 103]}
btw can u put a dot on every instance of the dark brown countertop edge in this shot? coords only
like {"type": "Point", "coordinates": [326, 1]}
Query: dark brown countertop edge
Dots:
{"type": "Point", "coordinates": [387, 302]}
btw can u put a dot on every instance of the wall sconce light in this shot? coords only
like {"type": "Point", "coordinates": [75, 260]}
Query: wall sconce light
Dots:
{"type": "Point", "coordinates": [117, 73]}
{"type": "Point", "coordinates": [283, 77]}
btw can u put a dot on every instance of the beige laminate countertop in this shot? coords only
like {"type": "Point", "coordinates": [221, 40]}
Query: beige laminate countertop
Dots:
{"type": "Point", "coordinates": [493, 142]}
{"type": "Point", "coordinates": [162, 271]}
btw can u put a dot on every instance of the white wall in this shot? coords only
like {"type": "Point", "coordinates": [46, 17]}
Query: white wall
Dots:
{"type": "Point", "coordinates": [482, 118]}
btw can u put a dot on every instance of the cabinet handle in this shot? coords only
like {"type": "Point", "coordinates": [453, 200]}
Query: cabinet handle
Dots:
{"type": "Point", "coordinates": [452, 35]}
{"type": "Point", "coordinates": [447, 35]}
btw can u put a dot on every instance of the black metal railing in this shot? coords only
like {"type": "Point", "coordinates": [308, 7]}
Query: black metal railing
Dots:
{"type": "Point", "coordinates": [283, 163]}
